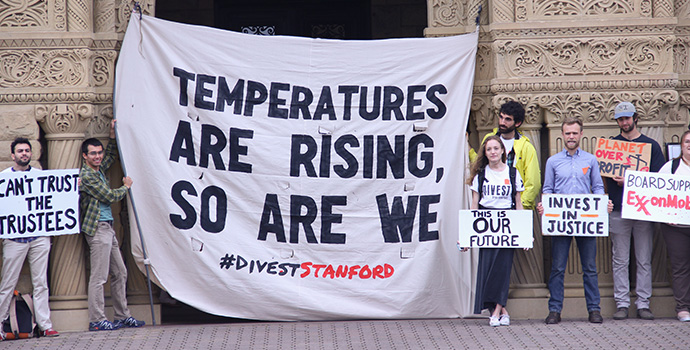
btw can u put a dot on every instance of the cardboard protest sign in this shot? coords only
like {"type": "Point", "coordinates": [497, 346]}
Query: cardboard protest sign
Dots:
{"type": "Point", "coordinates": [39, 203]}
{"type": "Point", "coordinates": [281, 174]}
{"type": "Point", "coordinates": [615, 156]}
{"type": "Point", "coordinates": [495, 228]}
{"type": "Point", "coordinates": [656, 197]}
{"type": "Point", "coordinates": [575, 215]}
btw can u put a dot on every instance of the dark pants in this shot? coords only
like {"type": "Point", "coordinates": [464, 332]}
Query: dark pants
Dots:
{"type": "Point", "coordinates": [678, 247]}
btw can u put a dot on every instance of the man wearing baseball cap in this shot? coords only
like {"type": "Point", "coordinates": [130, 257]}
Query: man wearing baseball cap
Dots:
{"type": "Point", "coordinates": [622, 230]}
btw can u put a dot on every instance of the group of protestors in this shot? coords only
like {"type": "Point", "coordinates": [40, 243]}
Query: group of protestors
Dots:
{"type": "Point", "coordinates": [505, 174]}
{"type": "Point", "coordinates": [96, 223]}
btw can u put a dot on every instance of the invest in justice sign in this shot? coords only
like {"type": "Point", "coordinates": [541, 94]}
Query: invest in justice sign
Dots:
{"type": "Point", "coordinates": [282, 178]}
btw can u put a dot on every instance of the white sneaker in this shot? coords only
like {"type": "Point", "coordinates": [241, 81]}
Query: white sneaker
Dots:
{"type": "Point", "coordinates": [494, 322]}
{"type": "Point", "coordinates": [504, 320]}
{"type": "Point", "coordinates": [684, 316]}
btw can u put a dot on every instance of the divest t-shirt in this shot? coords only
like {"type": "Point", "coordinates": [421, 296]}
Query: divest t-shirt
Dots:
{"type": "Point", "coordinates": [496, 191]}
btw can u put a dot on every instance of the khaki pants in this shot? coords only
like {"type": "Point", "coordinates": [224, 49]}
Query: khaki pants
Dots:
{"type": "Point", "coordinates": [13, 255]}
{"type": "Point", "coordinates": [106, 257]}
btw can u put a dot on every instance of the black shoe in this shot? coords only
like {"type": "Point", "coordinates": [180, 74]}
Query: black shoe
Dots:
{"type": "Point", "coordinates": [621, 313]}
{"type": "Point", "coordinates": [645, 314]}
{"type": "Point", "coordinates": [595, 317]}
{"type": "Point", "coordinates": [553, 317]}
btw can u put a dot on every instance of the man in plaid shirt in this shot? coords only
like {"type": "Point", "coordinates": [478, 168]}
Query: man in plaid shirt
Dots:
{"type": "Point", "coordinates": [95, 198]}
{"type": "Point", "coordinates": [15, 251]}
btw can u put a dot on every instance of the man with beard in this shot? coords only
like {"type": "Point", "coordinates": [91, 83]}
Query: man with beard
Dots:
{"type": "Point", "coordinates": [520, 152]}
{"type": "Point", "coordinates": [621, 230]}
{"type": "Point", "coordinates": [573, 171]}
{"type": "Point", "coordinates": [14, 251]}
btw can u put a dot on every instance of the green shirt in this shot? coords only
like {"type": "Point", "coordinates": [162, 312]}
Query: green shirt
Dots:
{"type": "Point", "coordinates": [94, 189]}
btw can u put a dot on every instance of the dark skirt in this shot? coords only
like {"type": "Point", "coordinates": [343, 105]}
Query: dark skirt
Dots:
{"type": "Point", "coordinates": [493, 278]}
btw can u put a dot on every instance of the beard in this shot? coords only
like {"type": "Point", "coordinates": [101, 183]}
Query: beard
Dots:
{"type": "Point", "coordinates": [505, 129]}
{"type": "Point", "coordinates": [23, 163]}
{"type": "Point", "coordinates": [629, 128]}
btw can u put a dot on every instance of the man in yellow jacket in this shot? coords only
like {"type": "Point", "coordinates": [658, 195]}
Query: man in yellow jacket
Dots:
{"type": "Point", "coordinates": [521, 153]}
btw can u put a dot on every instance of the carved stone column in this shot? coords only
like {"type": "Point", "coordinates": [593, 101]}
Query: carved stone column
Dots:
{"type": "Point", "coordinates": [64, 125]}
{"type": "Point", "coordinates": [79, 16]}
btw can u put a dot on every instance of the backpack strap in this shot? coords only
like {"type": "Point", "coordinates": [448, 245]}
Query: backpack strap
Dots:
{"type": "Point", "coordinates": [481, 177]}
{"type": "Point", "coordinates": [675, 164]}
{"type": "Point", "coordinates": [14, 326]}
{"type": "Point", "coordinates": [512, 171]}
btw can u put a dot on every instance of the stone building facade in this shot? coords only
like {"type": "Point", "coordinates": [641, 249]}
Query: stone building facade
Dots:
{"type": "Point", "coordinates": [558, 57]}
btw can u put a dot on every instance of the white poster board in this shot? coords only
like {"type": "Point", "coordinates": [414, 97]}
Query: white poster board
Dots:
{"type": "Point", "coordinates": [39, 203]}
{"type": "Point", "coordinates": [575, 215]}
{"type": "Point", "coordinates": [656, 197]}
{"type": "Point", "coordinates": [495, 228]}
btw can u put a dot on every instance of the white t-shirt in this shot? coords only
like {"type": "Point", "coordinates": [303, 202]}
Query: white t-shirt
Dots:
{"type": "Point", "coordinates": [508, 144]}
{"type": "Point", "coordinates": [11, 169]}
{"type": "Point", "coordinates": [683, 169]}
{"type": "Point", "coordinates": [496, 191]}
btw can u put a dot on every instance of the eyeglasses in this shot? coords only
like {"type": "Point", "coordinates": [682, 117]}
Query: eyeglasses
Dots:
{"type": "Point", "coordinates": [94, 153]}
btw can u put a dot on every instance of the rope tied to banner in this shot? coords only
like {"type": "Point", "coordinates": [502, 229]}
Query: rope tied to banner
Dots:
{"type": "Point", "coordinates": [137, 8]}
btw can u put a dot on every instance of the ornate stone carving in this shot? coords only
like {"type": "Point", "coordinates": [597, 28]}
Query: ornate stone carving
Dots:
{"type": "Point", "coordinates": [521, 10]}
{"type": "Point", "coordinates": [61, 15]}
{"type": "Point", "coordinates": [447, 13]}
{"type": "Point", "coordinates": [584, 31]}
{"type": "Point", "coordinates": [663, 8]}
{"type": "Point", "coordinates": [484, 66]}
{"type": "Point", "coordinates": [480, 108]}
{"type": "Point", "coordinates": [78, 15]}
{"type": "Point", "coordinates": [63, 118]}
{"type": "Point", "coordinates": [104, 16]}
{"type": "Point", "coordinates": [682, 8]}
{"type": "Point", "coordinates": [597, 107]}
{"type": "Point", "coordinates": [681, 55]}
{"type": "Point", "coordinates": [561, 8]}
{"type": "Point", "coordinates": [100, 123]}
{"type": "Point", "coordinates": [42, 68]}
{"type": "Point", "coordinates": [23, 14]}
{"type": "Point", "coordinates": [103, 68]}
{"type": "Point", "coordinates": [593, 56]}
{"type": "Point", "coordinates": [124, 10]}
{"type": "Point", "coordinates": [503, 11]}
{"type": "Point", "coordinates": [578, 85]}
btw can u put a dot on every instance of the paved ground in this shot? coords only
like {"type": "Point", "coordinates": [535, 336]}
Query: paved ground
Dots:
{"type": "Point", "coordinates": [396, 334]}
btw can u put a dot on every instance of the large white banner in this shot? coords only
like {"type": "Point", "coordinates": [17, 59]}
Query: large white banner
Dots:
{"type": "Point", "coordinates": [656, 197]}
{"type": "Point", "coordinates": [39, 203]}
{"type": "Point", "coordinates": [285, 178]}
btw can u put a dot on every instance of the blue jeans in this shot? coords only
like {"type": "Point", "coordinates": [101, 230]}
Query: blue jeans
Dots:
{"type": "Point", "coordinates": [560, 246]}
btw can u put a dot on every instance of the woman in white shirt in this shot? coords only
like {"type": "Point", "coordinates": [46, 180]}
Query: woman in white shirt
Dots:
{"type": "Point", "coordinates": [496, 191]}
{"type": "Point", "coordinates": [677, 237]}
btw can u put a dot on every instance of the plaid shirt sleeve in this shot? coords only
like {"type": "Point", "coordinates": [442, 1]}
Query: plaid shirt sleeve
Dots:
{"type": "Point", "coordinates": [94, 190]}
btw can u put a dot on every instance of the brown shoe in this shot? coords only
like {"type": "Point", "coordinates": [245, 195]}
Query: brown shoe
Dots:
{"type": "Point", "coordinates": [595, 317]}
{"type": "Point", "coordinates": [553, 317]}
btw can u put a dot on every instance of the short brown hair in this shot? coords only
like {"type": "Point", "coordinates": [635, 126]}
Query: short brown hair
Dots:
{"type": "Point", "coordinates": [571, 121]}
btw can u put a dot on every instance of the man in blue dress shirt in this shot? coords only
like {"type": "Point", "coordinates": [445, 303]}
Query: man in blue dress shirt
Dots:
{"type": "Point", "coordinates": [573, 171]}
